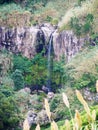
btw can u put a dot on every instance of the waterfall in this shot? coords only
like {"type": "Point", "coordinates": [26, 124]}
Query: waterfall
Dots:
{"type": "Point", "coordinates": [50, 62]}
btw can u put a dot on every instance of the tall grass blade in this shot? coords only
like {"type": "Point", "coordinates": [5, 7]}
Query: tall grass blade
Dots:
{"type": "Point", "coordinates": [37, 127]}
{"type": "Point", "coordinates": [93, 115]}
{"type": "Point", "coordinates": [65, 100]}
{"type": "Point", "coordinates": [78, 120]}
{"type": "Point", "coordinates": [47, 109]}
{"type": "Point", "coordinates": [26, 125]}
{"type": "Point", "coordinates": [83, 102]}
{"type": "Point", "coordinates": [54, 126]}
{"type": "Point", "coordinates": [67, 124]}
{"type": "Point", "coordinates": [97, 86]}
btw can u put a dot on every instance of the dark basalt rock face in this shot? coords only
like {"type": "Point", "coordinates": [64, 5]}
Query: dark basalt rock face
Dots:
{"type": "Point", "coordinates": [18, 40]}
{"type": "Point", "coordinates": [31, 40]}
{"type": "Point", "coordinates": [40, 41]}
{"type": "Point", "coordinates": [66, 43]}
{"type": "Point", "coordinates": [26, 40]}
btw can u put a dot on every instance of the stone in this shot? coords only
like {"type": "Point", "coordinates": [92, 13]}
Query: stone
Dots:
{"type": "Point", "coordinates": [37, 118]}
{"type": "Point", "coordinates": [42, 118]}
{"type": "Point", "coordinates": [31, 40]}
{"type": "Point", "coordinates": [25, 90]}
{"type": "Point", "coordinates": [50, 95]}
{"type": "Point", "coordinates": [31, 117]}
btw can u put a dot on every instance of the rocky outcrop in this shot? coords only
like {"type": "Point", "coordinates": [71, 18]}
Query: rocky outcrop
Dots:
{"type": "Point", "coordinates": [25, 40]}
{"type": "Point", "coordinates": [38, 118]}
{"type": "Point", "coordinates": [90, 96]}
{"type": "Point", "coordinates": [66, 43]}
{"type": "Point", "coordinates": [31, 40]}
{"type": "Point", "coordinates": [18, 40]}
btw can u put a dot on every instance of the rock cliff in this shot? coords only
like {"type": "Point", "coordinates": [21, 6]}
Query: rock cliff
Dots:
{"type": "Point", "coordinates": [31, 40]}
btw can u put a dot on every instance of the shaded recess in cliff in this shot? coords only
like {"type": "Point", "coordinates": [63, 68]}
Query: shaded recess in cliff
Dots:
{"type": "Point", "coordinates": [40, 41]}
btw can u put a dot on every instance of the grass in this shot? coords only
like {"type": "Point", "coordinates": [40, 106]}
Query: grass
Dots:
{"type": "Point", "coordinates": [14, 15]}
{"type": "Point", "coordinates": [58, 7]}
{"type": "Point", "coordinates": [61, 10]}
{"type": "Point", "coordinates": [87, 7]}
{"type": "Point", "coordinates": [87, 120]}
{"type": "Point", "coordinates": [87, 58]}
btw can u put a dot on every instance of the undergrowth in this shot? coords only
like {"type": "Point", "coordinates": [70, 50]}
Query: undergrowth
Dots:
{"type": "Point", "coordinates": [80, 121]}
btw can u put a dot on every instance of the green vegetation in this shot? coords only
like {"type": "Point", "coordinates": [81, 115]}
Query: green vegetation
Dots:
{"type": "Point", "coordinates": [80, 1]}
{"type": "Point", "coordinates": [18, 79]}
{"type": "Point", "coordinates": [9, 113]}
{"type": "Point", "coordinates": [85, 120]}
{"type": "Point", "coordinates": [83, 27]}
{"type": "Point", "coordinates": [80, 76]}
{"type": "Point", "coordinates": [9, 8]}
{"type": "Point", "coordinates": [34, 72]}
{"type": "Point", "coordinates": [18, 72]}
{"type": "Point", "coordinates": [57, 106]}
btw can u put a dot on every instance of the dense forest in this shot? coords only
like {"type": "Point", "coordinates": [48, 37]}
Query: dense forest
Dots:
{"type": "Point", "coordinates": [48, 49]}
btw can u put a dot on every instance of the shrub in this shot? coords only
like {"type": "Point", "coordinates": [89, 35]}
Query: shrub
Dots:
{"type": "Point", "coordinates": [79, 76]}
{"type": "Point", "coordinates": [9, 117]}
{"type": "Point", "coordinates": [5, 1]}
{"type": "Point", "coordinates": [80, 1]}
{"type": "Point", "coordinates": [94, 38]}
{"type": "Point", "coordinates": [18, 80]}
{"type": "Point", "coordinates": [80, 27]}
{"type": "Point", "coordinates": [75, 25]}
{"type": "Point", "coordinates": [85, 120]}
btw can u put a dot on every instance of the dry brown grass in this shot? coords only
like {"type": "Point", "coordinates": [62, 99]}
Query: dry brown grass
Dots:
{"type": "Point", "coordinates": [47, 109]}
{"type": "Point", "coordinates": [90, 6]}
{"type": "Point", "coordinates": [97, 86]}
{"type": "Point", "coordinates": [15, 19]}
{"type": "Point", "coordinates": [26, 125]}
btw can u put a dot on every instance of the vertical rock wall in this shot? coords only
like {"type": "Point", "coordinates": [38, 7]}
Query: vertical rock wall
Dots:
{"type": "Point", "coordinates": [31, 40]}
{"type": "Point", "coordinates": [66, 43]}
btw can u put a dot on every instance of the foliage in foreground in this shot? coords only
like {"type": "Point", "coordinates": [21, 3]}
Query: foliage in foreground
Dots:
{"type": "Point", "coordinates": [87, 121]}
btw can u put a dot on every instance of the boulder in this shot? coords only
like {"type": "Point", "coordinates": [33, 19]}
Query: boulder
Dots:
{"type": "Point", "coordinates": [50, 95]}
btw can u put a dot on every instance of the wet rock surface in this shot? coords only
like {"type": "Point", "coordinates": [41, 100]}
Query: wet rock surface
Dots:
{"type": "Point", "coordinates": [31, 40]}
{"type": "Point", "coordinates": [66, 43]}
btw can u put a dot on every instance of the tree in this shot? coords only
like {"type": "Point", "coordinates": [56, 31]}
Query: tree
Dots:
{"type": "Point", "coordinates": [59, 71]}
{"type": "Point", "coordinates": [5, 1]}
{"type": "Point", "coordinates": [18, 79]}
{"type": "Point", "coordinates": [38, 71]}
{"type": "Point", "coordinates": [9, 117]}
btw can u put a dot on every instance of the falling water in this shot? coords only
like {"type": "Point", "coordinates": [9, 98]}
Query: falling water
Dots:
{"type": "Point", "coordinates": [50, 62]}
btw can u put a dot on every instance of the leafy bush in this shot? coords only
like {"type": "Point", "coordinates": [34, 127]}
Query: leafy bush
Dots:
{"type": "Point", "coordinates": [21, 63]}
{"type": "Point", "coordinates": [5, 1]}
{"type": "Point", "coordinates": [80, 1]}
{"type": "Point", "coordinates": [57, 106]}
{"type": "Point", "coordinates": [35, 71]}
{"type": "Point", "coordinates": [79, 76]}
{"type": "Point", "coordinates": [80, 27]}
{"type": "Point", "coordinates": [8, 109]}
{"type": "Point", "coordinates": [94, 38]}
{"type": "Point", "coordinates": [75, 25]}
{"type": "Point", "coordinates": [18, 80]}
